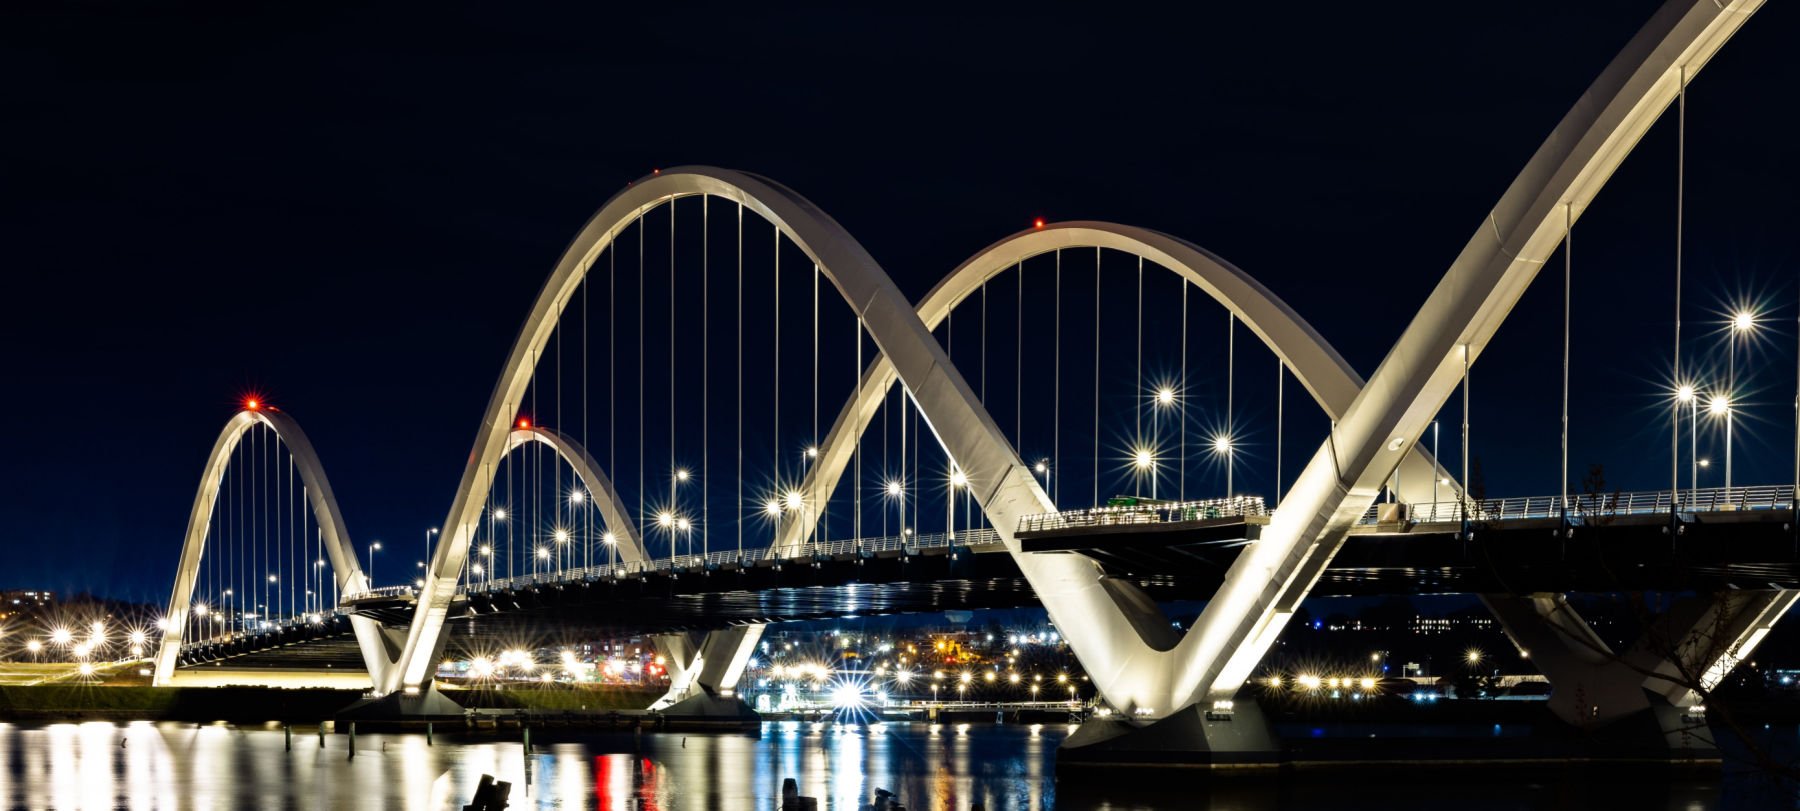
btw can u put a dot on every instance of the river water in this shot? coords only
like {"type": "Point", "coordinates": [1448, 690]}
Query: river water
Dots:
{"type": "Point", "coordinates": [147, 765]}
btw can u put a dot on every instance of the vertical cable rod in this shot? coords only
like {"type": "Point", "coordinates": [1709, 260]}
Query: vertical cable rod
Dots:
{"type": "Point", "coordinates": [705, 376]}
{"type": "Point", "coordinates": [1280, 418]}
{"type": "Point", "coordinates": [1568, 273]}
{"type": "Point", "coordinates": [1680, 226]}
{"type": "Point", "coordinates": [740, 381]}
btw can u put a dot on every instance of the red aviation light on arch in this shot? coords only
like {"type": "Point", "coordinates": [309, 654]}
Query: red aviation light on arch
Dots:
{"type": "Point", "coordinates": [1038, 222]}
{"type": "Point", "coordinates": [524, 423]}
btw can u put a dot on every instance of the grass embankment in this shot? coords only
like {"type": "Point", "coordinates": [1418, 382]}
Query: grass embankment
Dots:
{"type": "Point", "coordinates": [199, 704]}
{"type": "Point", "coordinates": [589, 697]}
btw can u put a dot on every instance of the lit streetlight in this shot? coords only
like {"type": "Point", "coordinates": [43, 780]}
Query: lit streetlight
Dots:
{"type": "Point", "coordinates": [1223, 446]}
{"type": "Point", "coordinates": [1145, 462]}
{"type": "Point", "coordinates": [373, 548]}
{"type": "Point", "coordinates": [1720, 406]}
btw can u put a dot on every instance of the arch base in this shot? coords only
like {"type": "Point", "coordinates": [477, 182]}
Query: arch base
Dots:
{"type": "Point", "coordinates": [404, 710]}
{"type": "Point", "coordinates": [1191, 737]}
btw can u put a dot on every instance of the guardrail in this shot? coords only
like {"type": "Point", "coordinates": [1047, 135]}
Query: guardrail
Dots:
{"type": "Point", "coordinates": [382, 591]}
{"type": "Point", "coordinates": [1156, 513]}
{"type": "Point", "coordinates": [909, 543]}
{"type": "Point", "coordinates": [1645, 502]}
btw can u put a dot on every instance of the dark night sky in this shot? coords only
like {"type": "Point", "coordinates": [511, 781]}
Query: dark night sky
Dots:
{"type": "Point", "coordinates": [351, 209]}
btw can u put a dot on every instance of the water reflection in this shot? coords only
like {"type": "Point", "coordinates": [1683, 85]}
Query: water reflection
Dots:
{"type": "Point", "coordinates": [152, 766]}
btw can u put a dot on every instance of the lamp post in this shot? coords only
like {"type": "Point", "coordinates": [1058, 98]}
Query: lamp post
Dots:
{"type": "Point", "coordinates": [1720, 406]}
{"type": "Point", "coordinates": [428, 534]}
{"type": "Point", "coordinates": [958, 480]}
{"type": "Point", "coordinates": [1224, 446]}
{"type": "Point", "coordinates": [373, 548]}
{"type": "Point", "coordinates": [1145, 462]}
{"type": "Point", "coordinates": [1043, 469]}
{"type": "Point", "coordinates": [896, 492]}
{"type": "Point", "coordinates": [1686, 394]}
{"type": "Point", "coordinates": [1742, 324]}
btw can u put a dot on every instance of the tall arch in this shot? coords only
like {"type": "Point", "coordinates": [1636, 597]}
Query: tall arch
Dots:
{"type": "Point", "coordinates": [1131, 654]}
{"type": "Point", "coordinates": [335, 537]}
{"type": "Point", "coordinates": [1318, 367]}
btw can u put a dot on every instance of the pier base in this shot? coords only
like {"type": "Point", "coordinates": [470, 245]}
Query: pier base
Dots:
{"type": "Point", "coordinates": [1242, 740]}
{"type": "Point", "coordinates": [402, 711]}
{"type": "Point", "coordinates": [705, 711]}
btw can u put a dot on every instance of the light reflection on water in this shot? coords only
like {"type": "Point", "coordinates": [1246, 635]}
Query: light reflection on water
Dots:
{"type": "Point", "coordinates": [149, 766]}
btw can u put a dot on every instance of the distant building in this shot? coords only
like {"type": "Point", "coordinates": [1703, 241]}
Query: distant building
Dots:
{"type": "Point", "coordinates": [19, 601]}
{"type": "Point", "coordinates": [1442, 625]}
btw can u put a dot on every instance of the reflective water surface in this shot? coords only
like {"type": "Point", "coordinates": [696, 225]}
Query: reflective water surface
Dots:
{"type": "Point", "coordinates": [145, 765]}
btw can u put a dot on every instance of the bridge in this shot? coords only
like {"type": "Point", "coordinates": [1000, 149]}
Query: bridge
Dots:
{"type": "Point", "coordinates": [698, 299]}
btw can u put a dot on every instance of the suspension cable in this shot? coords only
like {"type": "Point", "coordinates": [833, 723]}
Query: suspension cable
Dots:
{"type": "Point", "coordinates": [823, 516]}
{"type": "Point", "coordinates": [856, 450]}
{"type": "Point", "coordinates": [740, 381]}
{"type": "Point", "coordinates": [1280, 382]}
{"type": "Point", "coordinates": [674, 503]}
{"type": "Point", "coordinates": [587, 524]}
{"type": "Point", "coordinates": [1230, 392]}
{"type": "Point", "coordinates": [1465, 436]}
{"type": "Point", "coordinates": [1096, 501]}
{"type": "Point", "coordinates": [1568, 272]}
{"type": "Point", "coordinates": [705, 378]}
{"type": "Point", "coordinates": [776, 534]}
{"type": "Point", "coordinates": [643, 484]}
{"type": "Point", "coordinates": [1181, 400]}
{"type": "Point", "coordinates": [1680, 226]}
{"type": "Point", "coordinates": [1056, 386]}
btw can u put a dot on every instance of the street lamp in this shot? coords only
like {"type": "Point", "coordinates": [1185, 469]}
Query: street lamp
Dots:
{"type": "Point", "coordinates": [1223, 446]}
{"type": "Point", "coordinates": [1043, 469]}
{"type": "Point", "coordinates": [1145, 462]}
{"type": "Point", "coordinates": [1743, 322]}
{"type": "Point", "coordinates": [958, 480]}
{"type": "Point", "coordinates": [1720, 406]}
{"type": "Point", "coordinates": [428, 534]}
{"type": "Point", "coordinates": [1685, 393]}
{"type": "Point", "coordinates": [896, 492]}
{"type": "Point", "coordinates": [373, 548]}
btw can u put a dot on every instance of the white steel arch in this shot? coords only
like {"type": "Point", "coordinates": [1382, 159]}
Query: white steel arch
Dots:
{"type": "Point", "coordinates": [1267, 582]}
{"type": "Point", "coordinates": [1132, 656]}
{"type": "Point", "coordinates": [606, 499]}
{"type": "Point", "coordinates": [855, 274]}
{"type": "Point", "coordinates": [1331, 381]}
{"type": "Point", "coordinates": [334, 537]}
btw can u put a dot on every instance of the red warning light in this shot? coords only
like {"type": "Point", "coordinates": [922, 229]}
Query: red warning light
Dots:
{"type": "Point", "coordinates": [524, 422]}
{"type": "Point", "coordinates": [252, 404]}
{"type": "Point", "coordinates": [655, 171]}
{"type": "Point", "coordinates": [1037, 223]}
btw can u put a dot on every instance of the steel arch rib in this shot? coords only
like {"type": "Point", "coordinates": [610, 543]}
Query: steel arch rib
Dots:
{"type": "Point", "coordinates": [1318, 367]}
{"type": "Point", "coordinates": [336, 538]}
{"type": "Point", "coordinates": [1267, 582]}
{"type": "Point", "coordinates": [947, 403]}
{"type": "Point", "coordinates": [1132, 656]}
{"type": "Point", "coordinates": [612, 509]}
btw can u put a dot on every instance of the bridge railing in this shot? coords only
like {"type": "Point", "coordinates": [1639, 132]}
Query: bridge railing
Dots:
{"type": "Point", "coordinates": [1156, 513]}
{"type": "Point", "coordinates": [909, 543]}
{"type": "Point", "coordinates": [382, 591]}
{"type": "Point", "coordinates": [1643, 502]}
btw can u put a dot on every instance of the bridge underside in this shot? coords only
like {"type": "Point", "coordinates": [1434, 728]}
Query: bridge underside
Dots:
{"type": "Point", "coordinates": [1706, 552]}
{"type": "Point", "coordinates": [1753, 550]}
